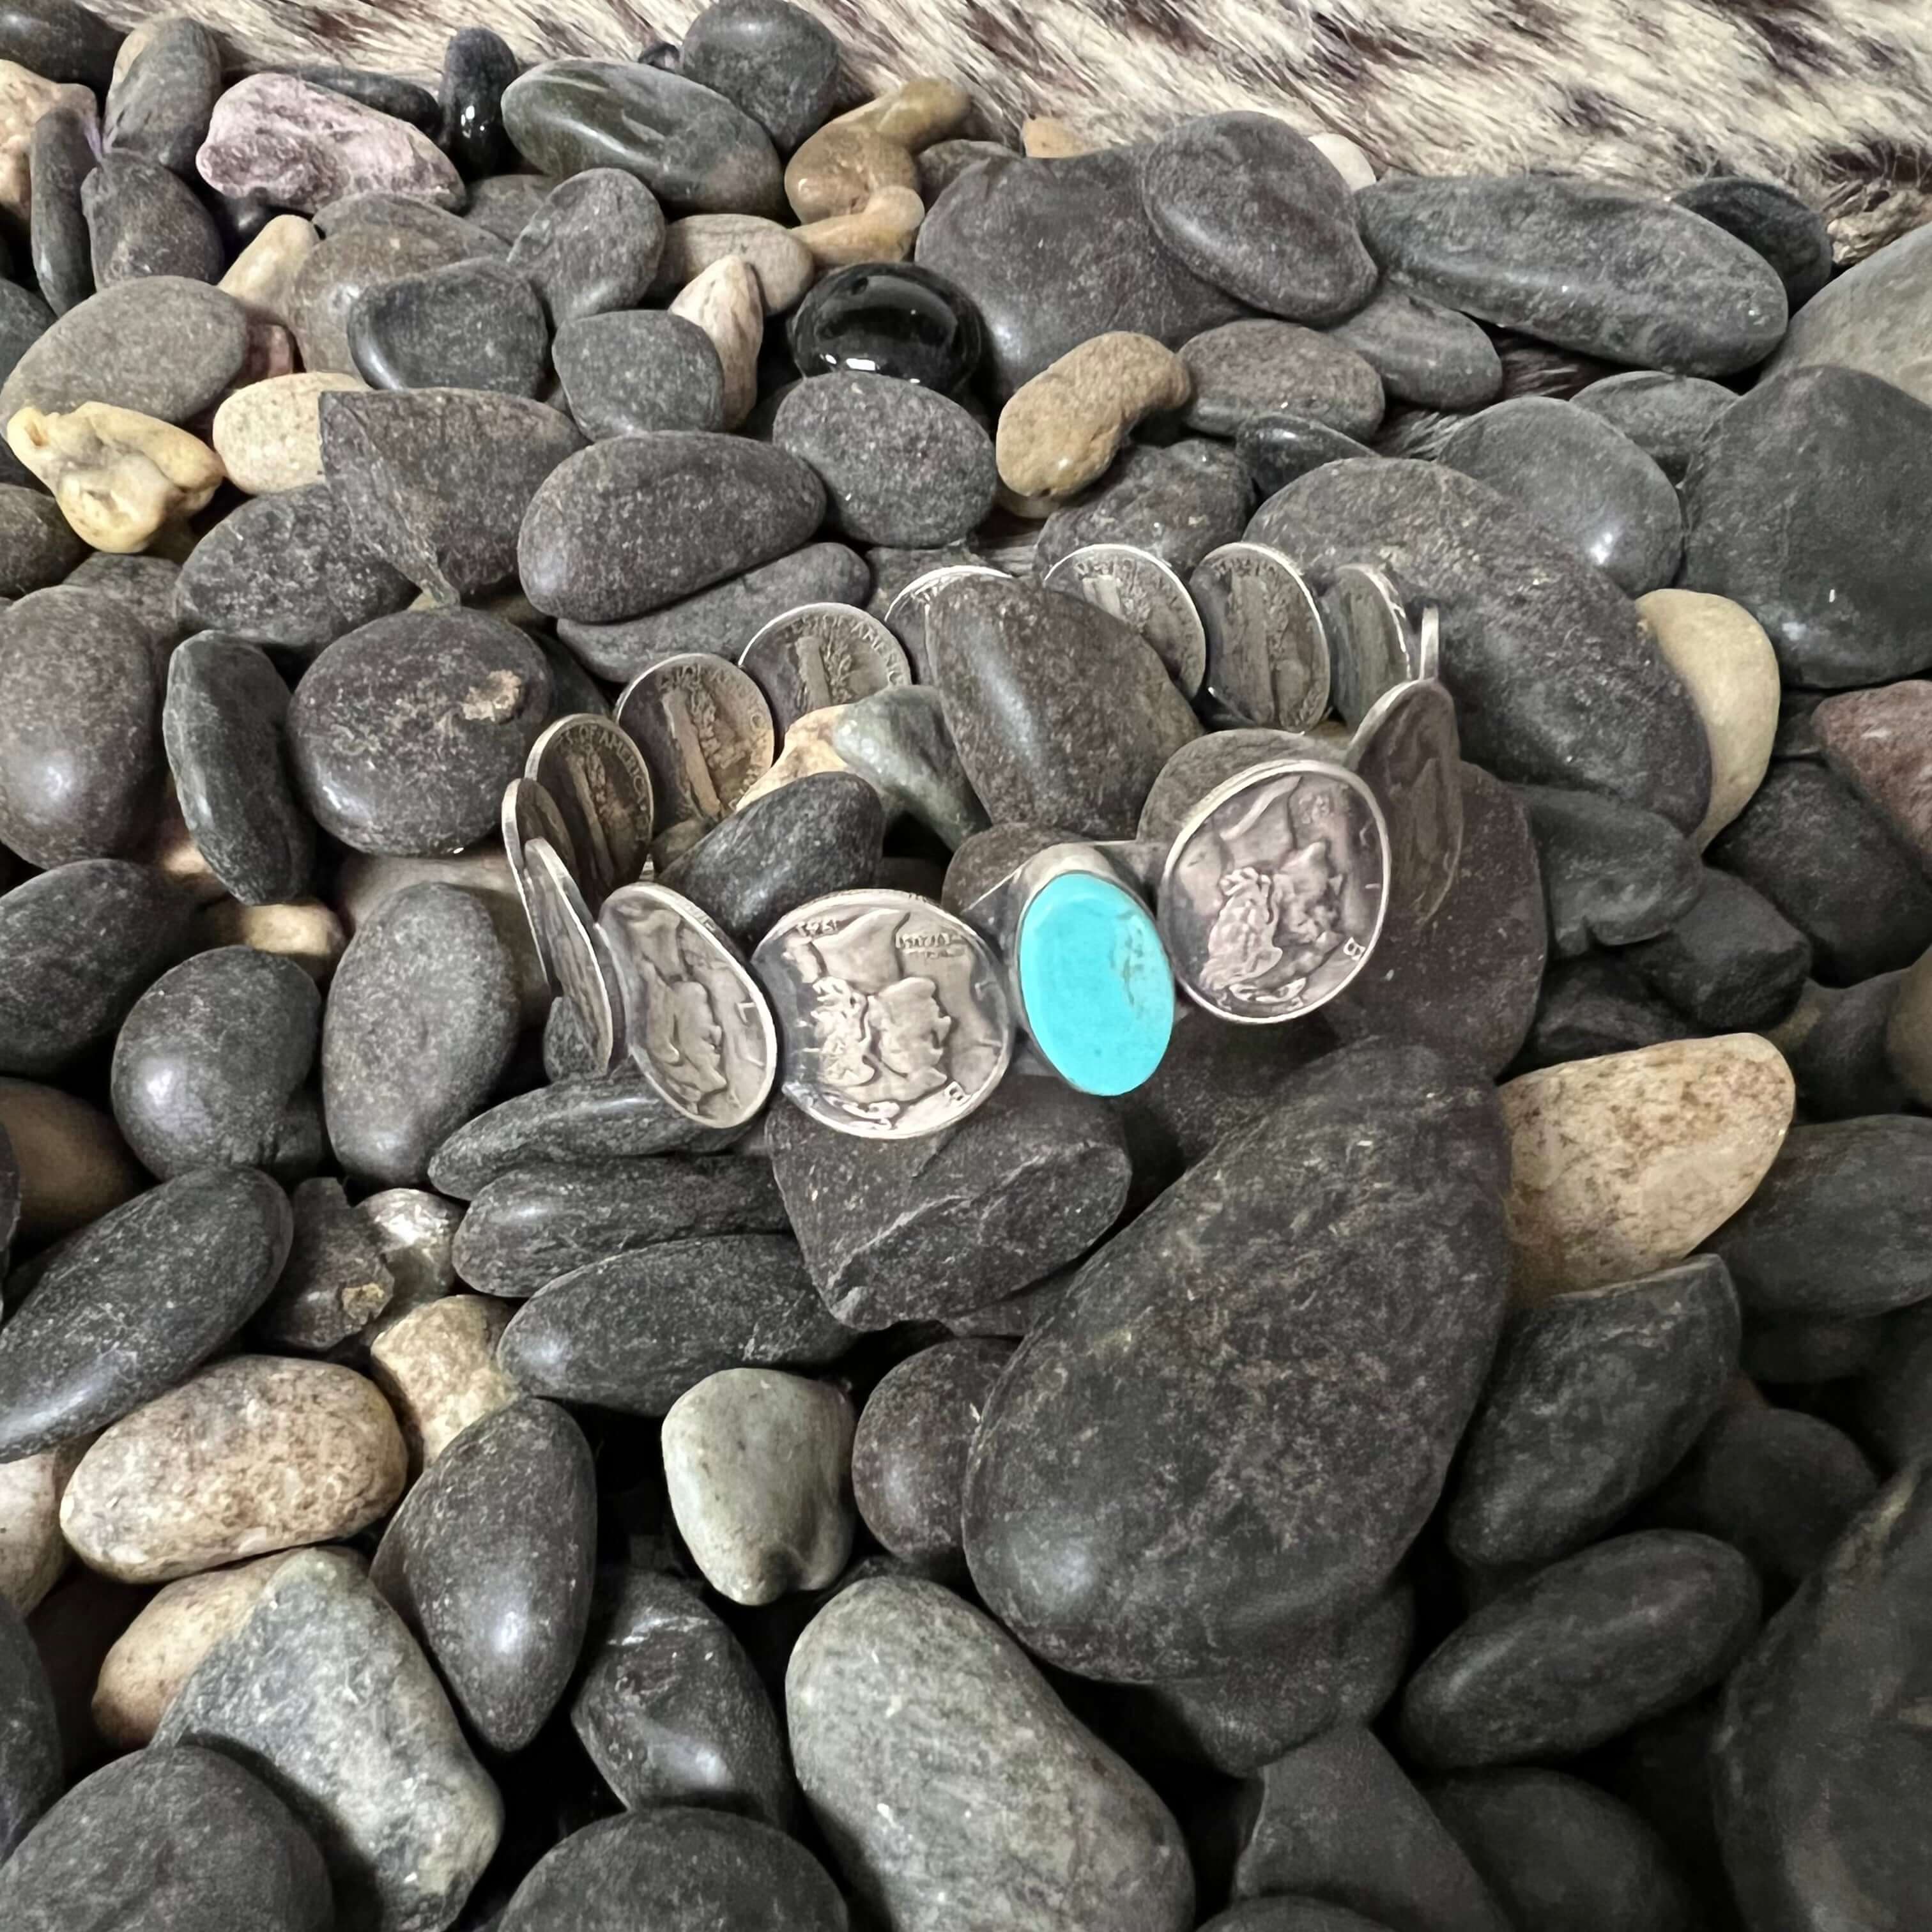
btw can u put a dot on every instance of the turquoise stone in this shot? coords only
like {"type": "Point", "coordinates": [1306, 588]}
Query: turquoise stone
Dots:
{"type": "Point", "coordinates": [1095, 981]}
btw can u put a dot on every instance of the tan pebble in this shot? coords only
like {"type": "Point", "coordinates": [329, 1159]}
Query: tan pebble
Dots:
{"type": "Point", "coordinates": [257, 1452]}
{"type": "Point", "coordinates": [882, 231]}
{"type": "Point", "coordinates": [262, 277]}
{"type": "Point", "coordinates": [915, 114]}
{"type": "Point", "coordinates": [807, 752]}
{"type": "Point", "coordinates": [1720, 652]}
{"type": "Point", "coordinates": [25, 96]}
{"type": "Point", "coordinates": [172, 852]}
{"type": "Point", "coordinates": [438, 1366]}
{"type": "Point", "coordinates": [725, 302]}
{"type": "Point", "coordinates": [33, 1553]}
{"type": "Point", "coordinates": [1908, 1032]}
{"type": "Point", "coordinates": [1624, 1164]}
{"type": "Point", "coordinates": [1044, 139]}
{"type": "Point", "coordinates": [1062, 429]}
{"type": "Point", "coordinates": [268, 436]}
{"type": "Point", "coordinates": [304, 930]}
{"type": "Point", "coordinates": [840, 168]}
{"type": "Point", "coordinates": [782, 262]}
{"type": "Point", "coordinates": [1347, 158]}
{"type": "Point", "coordinates": [118, 475]}
{"type": "Point", "coordinates": [74, 1166]}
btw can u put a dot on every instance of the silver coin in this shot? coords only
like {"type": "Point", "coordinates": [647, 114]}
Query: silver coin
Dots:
{"type": "Point", "coordinates": [1428, 643]}
{"type": "Point", "coordinates": [893, 1014]}
{"type": "Point", "coordinates": [1371, 644]}
{"type": "Point", "coordinates": [822, 654]}
{"type": "Point", "coordinates": [696, 1026]}
{"type": "Point", "coordinates": [1408, 755]}
{"type": "Point", "coordinates": [907, 614]}
{"type": "Point", "coordinates": [1136, 587]}
{"type": "Point", "coordinates": [706, 733]}
{"type": "Point", "coordinates": [581, 971]}
{"type": "Point", "coordinates": [597, 780]}
{"type": "Point", "coordinates": [1267, 649]}
{"type": "Point", "coordinates": [529, 812]}
{"type": "Point", "coordinates": [1274, 894]}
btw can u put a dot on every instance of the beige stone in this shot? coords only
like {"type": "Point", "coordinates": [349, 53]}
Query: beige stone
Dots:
{"type": "Point", "coordinates": [262, 276]}
{"type": "Point", "coordinates": [1624, 1164]}
{"type": "Point", "coordinates": [304, 930]}
{"type": "Point", "coordinates": [1348, 159]}
{"type": "Point", "coordinates": [1062, 429]}
{"type": "Point", "coordinates": [74, 1166]}
{"type": "Point", "coordinates": [725, 302]}
{"type": "Point", "coordinates": [268, 436]}
{"type": "Point", "coordinates": [33, 1553]}
{"type": "Point", "coordinates": [1720, 652]}
{"type": "Point", "coordinates": [840, 168]}
{"type": "Point", "coordinates": [915, 114]}
{"type": "Point", "coordinates": [438, 1366]}
{"type": "Point", "coordinates": [256, 1453]}
{"type": "Point", "coordinates": [24, 97]}
{"type": "Point", "coordinates": [1044, 139]}
{"type": "Point", "coordinates": [782, 263]}
{"type": "Point", "coordinates": [807, 751]}
{"type": "Point", "coordinates": [1908, 1032]}
{"type": "Point", "coordinates": [882, 231]}
{"type": "Point", "coordinates": [118, 475]}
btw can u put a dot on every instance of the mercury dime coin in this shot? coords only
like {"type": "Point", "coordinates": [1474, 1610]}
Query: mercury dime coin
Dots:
{"type": "Point", "coordinates": [1408, 755]}
{"type": "Point", "coordinates": [822, 654]}
{"type": "Point", "coordinates": [597, 780]}
{"type": "Point", "coordinates": [1136, 587]}
{"type": "Point", "coordinates": [1267, 649]}
{"type": "Point", "coordinates": [696, 1026]}
{"type": "Point", "coordinates": [580, 969]}
{"type": "Point", "coordinates": [706, 733]}
{"type": "Point", "coordinates": [1274, 894]}
{"type": "Point", "coordinates": [1428, 643]}
{"type": "Point", "coordinates": [906, 615]}
{"type": "Point", "coordinates": [1370, 641]}
{"type": "Point", "coordinates": [893, 1014]}
{"type": "Point", "coordinates": [529, 812]}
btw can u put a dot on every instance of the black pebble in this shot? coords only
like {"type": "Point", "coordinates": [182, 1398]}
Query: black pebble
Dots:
{"type": "Point", "coordinates": [889, 319]}
{"type": "Point", "coordinates": [1612, 873]}
{"type": "Point", "coordinates": [1733, 963]}
{"type": "Point", "coordinates": [477, 66]}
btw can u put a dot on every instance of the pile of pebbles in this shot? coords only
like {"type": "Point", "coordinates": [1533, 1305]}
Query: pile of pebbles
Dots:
{"type": "Point", "coordinates": [904, 1032]}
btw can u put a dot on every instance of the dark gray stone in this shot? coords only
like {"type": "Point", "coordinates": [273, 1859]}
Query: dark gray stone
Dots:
{"type": "Point", "coordinates": [635, 1331]}
{"type": "Point", "coordinates": [136, 1301]}
{"type": "Point", "coordinates": [1582, 1651]}
{"type": "Point", "coordinates": [472, 326]}
{"type": "Point", "coordinates": [940, 165]}
{"type": "Point", "coordinates": [1612, 873]}
{"type": "Point", "coordinates": [1612, 272]}
{"type": "Point", "coordinates": [1584, 479]}
{"type": "Point", "coordinates": [211, 1066]}
{"type": "Point", "coordinates": [671, 1710]}
{"type": "Point", "coordinates": [1840, 1064]}
{"type": "Point", "coordinates": [1289, 1915]}
{"type": "Point", "coordinates": [1554, 679]}
{"type": "Point", "coordinates": [642, 370]}
{"type": "Point", "coordinates": [819, 834]}
{"type": "Point", "coordinates": [1562, 1856]}
{"type": "Point", "coordinates": [159, 105]}
{"type": "Point", "coordinates": [1593, 1399]}
{"type": "Point", "coordinates": [1276, 449]}
{"type": "Point", "coordinates": [593, 246]}
{"type": "Point", "coordinates": [506, 203]}
{"type": "Point", "coordinates": [721, 620]}
{"type": "Point", "coordinates": [1061, 712]}
{"type": "Point", "coordinates": [59, 40]}
{"type": "Point", "coordinates": [1596, 1005]}
{"type": "Point", "coordinates": [166, 346]}
{"type": "Point", "coordinates": [142, 219]}
{"type": "Point", "coordinates": [477, 65]}
{"type": "Point", "coordinates": [1051, 253]}
{"type": "Point", "coordinates": [1733, 962]}
{"type": "Point", "coordinates": [1819, 1761]}
{"type": "Point", "coordinates": [697, 153]}
{"type": "Point", "coordinates": [350, 263]}
{"type": "Point", "coordinates": [288, 1693]}
{"type": "Point", "coordinates": [77, 946]}
{"type": "Point", "coordinates": [336, 1281]}
{"type": "Point", "coordinates": [1119, 1549]}
{"type": "Point", "coordinates": [488, 1560]}
{"type": "Point", "coordinates": [771, 59]}
{"type": "Point", "coordinates": [1789, 234]}
{"type": "Point", "coordinates": [901, 463]}
{"type": "Point", "coordinates": [388, 94]}
{"type": "Point", "coordinates": [527, 1227]}
{"type": "Point", "coordinates": [665, 1871]}
{"type": "Point", "coordinates": [289, 570]}
{"type": "Point", "coordinates": [222, 724]}
{"type": "Point", "coordinates": [1831, 866]}
{"type": "Point", "coordinates": [1179, 502]}
{"type": "Point", "coordinates": [1667, 416]}
{"type": "Point", "coordinates": [436, 483]}
{"type": "Point", "coordinates": [1336, 1819]}
{"type": "Point", "coordinates": [1868, 319]}
{"type": "Point", "coordinates": [30, 1741]}
{"type": "Point", "coordinates": [1258, 367]}
{"type": "Point", "coordinates": [627, 525]}
{"type": "Point", "coordinates": [983, 860]}
{"type": "Point", "coordinates": [80, 738]}
{"type": "Point", "coordinates": [403, 734]}
{"type": "Point", "coordinates": [166, 1839]}
{"type": "Point", "coordinates": [24, 319]}
{"type": "Point", "coordinates": [1256, 209]}
{"type": "Point", "coordinates": [1801, 505]}
{"type": "Point", "coordinates": [380, 208]}
{"type": "Point", "coordinates": [1425, 354]}
{"type": "Point", "coordinates": [897, 740]}
{"type": "Point", "coordinates": [1891, 1407]}
{"type": "Point", "coordinates": [1811, 1350]}
{"type": "Point", "coordinates": [918, 1230]}
{"type": "Point", "coordinates": [587, 1118]}
{"type": "Point", "coordinates": [38, 545]}
{"type": "Point", "coordinates": [144, 585]}
{"type": "Point", "coordinates": [60, 156]}
{"type": "Point", "coordinates": [1202, 763]}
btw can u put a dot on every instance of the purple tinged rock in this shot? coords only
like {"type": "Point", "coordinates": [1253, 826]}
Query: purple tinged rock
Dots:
{"type": "Point", "coordinates": [143, 220]}
{"type": "Point", "coordinates": [592, 246]}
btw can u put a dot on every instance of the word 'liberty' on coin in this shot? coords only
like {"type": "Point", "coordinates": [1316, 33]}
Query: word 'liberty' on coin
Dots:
{"type": "Point", "coordinates": [1267, 648]}
{"type": "Point", "coordinates": [1136, 587]}
{"type": "Point", "coordinates": [909, 614]}
{"type": "Point", "coordinates": [1408, 753]}
{"type": "Point", "coordinates": [894, 1014]}
{"type": "Point", "coordinates": [705, 731]}
{"type": "Point", "coordinates": [820, 655]}
{"type": "Point", "coordinates": [1274, 892]}
{"type": "Point", "coordinates": [697, 1027]}
{"type": "Point", "coordinates": [582, 972]}
{"type": "Point", "coordinates": [596, 779]}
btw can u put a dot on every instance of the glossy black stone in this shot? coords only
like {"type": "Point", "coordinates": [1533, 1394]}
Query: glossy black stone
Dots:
{"type": "Point", "coordinates": [889, 319]}
{"type": "Point", "coordinates": [477, 65]}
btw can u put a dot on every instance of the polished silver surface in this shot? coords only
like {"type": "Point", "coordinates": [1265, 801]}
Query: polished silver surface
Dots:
{"type": "Point", "coordinates": [1371, 645]}
{"type": "Point", "coordinates": [822, 654]}
{"type": "Point", "coordinates": [529, 812]}
{"type": "Point", "coordinates": [894, 1015]}
{"type": "Point", "coordinates": [1407, 751]}
{"type": "Point", "coordinates": [1137, 587]}
{"type": "Point", "coordinates": [907, 616]}
{"type": "Point", "coordinates": [706, 733]}
{"type": "Point", "coordinates": [580, 970]}
{"type": "Point", "coordinates": [1428, 643]}
{"type": "Point", "coordinates": [597, 780]}
{"type": "Point", "coordinates": [1267, 648]}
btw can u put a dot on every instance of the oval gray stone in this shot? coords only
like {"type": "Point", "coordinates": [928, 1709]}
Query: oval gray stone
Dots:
{"type": "Point", "coordinates": [474, 325]}
{"type": "Point", "coordinates": [1258, 367]}
{"type": "Point", "coordinates": [143, 221]}
{"type": "Point", "coordinates": [159, 103]}
{"type": "Point", "coordinates": [347, 266]}
{"type": "Point", "coordinates": [30, 1741]}
{"type": "Point", "coordinates": [1665, 415]}
{"type": "Point", "coordinates": [1868, 319]}
{"type": "Point", "coordinates": [1179, 502]}
{"type": "Point", "coordinates": [1427, 355]}
{"type": "Point", "coordinates": [592, 246]}
{"type": "Point", "coordinates": [625, 374]}
{"type": "Point", "coordinates": [38, 545]}
{"type": "Point", "coordinates": [772, 59]}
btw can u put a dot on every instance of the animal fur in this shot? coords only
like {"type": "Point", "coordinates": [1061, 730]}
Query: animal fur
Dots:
{"type": "Point", "coordinates": [1832, 97]}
